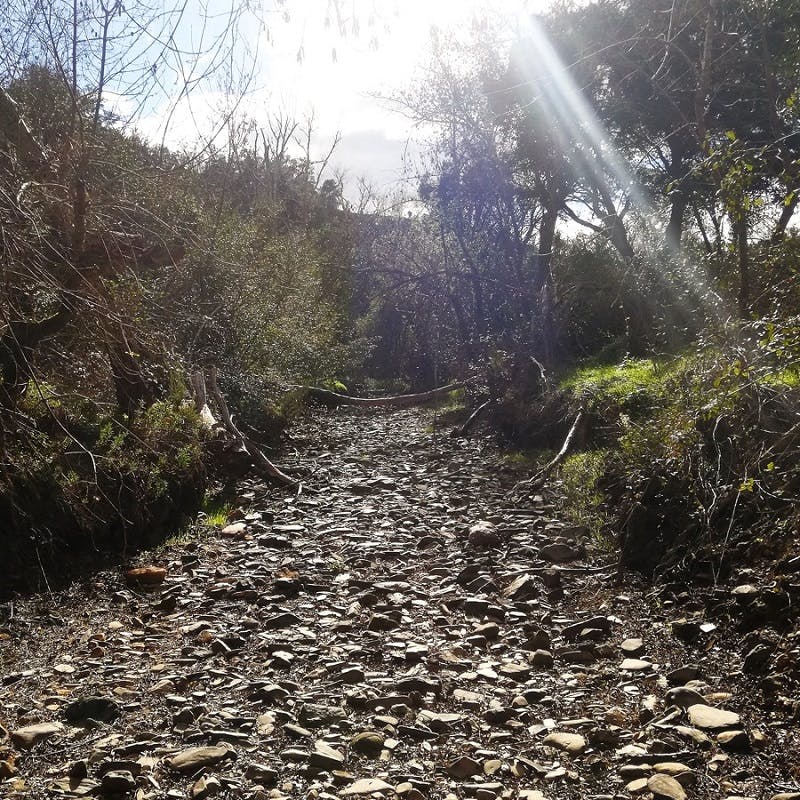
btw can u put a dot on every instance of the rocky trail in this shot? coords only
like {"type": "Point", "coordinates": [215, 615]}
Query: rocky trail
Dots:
{"type": "Point", "coordinates": [401, 628]}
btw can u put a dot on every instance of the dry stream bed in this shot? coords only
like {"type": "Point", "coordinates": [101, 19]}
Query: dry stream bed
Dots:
{"type": "Point", "coordinates": [405, 630]}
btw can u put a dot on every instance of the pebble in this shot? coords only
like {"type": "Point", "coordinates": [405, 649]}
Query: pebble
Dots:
{"type": "Point", "coordinates": [523, 587]}
{"type": "Point", "coordinates": [632, 647]}
{"type": "Point", "coordinates": [146, 576]}
{"type": "Point", "coordinates": [682, 675]}
{"type": "Point", "coordinates": [368, 742]}
{"type": "Point", "coordinates": [735, 741]}
{"type": "Point", "coordinates": [484, 535]}
{"type": "Point", "coordinates": [558, 552]}
{"type": "Point", "coordinates": [542, 658]}
{"type": "Point", "coordinates": [684, 697]}
{"type": "Point", "coordinates": [635, 665]}
{"type": "Point", "coordinates": [325, 757]}
{"type": "Point", "coordinates": [464, 767]}
{"type": "Point", "coordinates": [572, 743]}
{"type": "Point", "coordinates": [666, 787]}
{"type": "Point", "coordinates": [206, 786]}
{"type": "Point", "coordinates": [261, 773]}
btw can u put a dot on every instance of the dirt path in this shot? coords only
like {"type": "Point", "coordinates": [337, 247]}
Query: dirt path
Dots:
{"type": "Point", "coordinates": [405, 629]}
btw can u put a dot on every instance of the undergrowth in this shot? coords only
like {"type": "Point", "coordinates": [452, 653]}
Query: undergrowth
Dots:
{"type": "Point", "coordinates": [690, 462]}
{"type": "Point", "coordinates": [80, 483]}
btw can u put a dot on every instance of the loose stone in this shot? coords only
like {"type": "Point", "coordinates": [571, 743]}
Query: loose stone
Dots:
{"type": "Point", "coordinates": [635, 665]}
{"type": "Point", "coordinates": [708, 718]}
{"type": "Point", "coordinates": [325, 757]}
{"type": "Point", "coordinates": [30, 735]}
{"type": "Point", "coordinates": [194, 758]}
{"type": "Point", "coordinates": [632, 647]}
{"type": "Point", "coordinates": [367, 786]}
{"type": "Point", "coordinates": [666, 787]}
{"type": "Point", "coordinates": [572, 743]}
{"type": "Point", "coordinates": [368, 742]}
{"type": "Point", "coordinates": [735, 741]}
{"type": "Point", "coordinates": [684, 697]}
{"type": "Point", "coordinates": [117, 782]}
{"type": "Point", "coordinates": [464, 767]}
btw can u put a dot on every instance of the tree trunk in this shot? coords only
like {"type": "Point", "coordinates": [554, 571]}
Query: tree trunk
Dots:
{"type": "Point", "coordinates": [543, 319]}
{"type": "Point", "coordinates": [779, 233]}
{"type": "Point", "coordinates": [679, 200]}
{"type": "Point", "coordinates": [672, 235]}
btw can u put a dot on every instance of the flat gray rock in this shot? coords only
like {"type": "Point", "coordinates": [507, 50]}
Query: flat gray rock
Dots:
{"type": "Point", "coordinates": [632, 647]}
{"type": "Point", "coordinates": [326, 757]}
{"type": "Point", "coordinates": [635, 665]}
{"type": "Point", "coordinates": [558, 553]}
{"type": "Point", "coordinates": [684, 696]}
{"type": "Point", "coordinates": [708, 718]}
{"type": "Point", "coordinates": [192, 759]}
{"type": "Point", "coordinates": [572, 743]}
{"type": "Point", "coordinates": [366, 786]}
{"type": "Point", "coordinates": [30, 735]}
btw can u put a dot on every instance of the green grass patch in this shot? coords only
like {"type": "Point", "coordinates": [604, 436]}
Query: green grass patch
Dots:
{"type": "Point", "coordinates": [216, 512]}
{"type": "Point", "coordinates": [452, 401]}
{"type": "Point", "coordinates": [618, 381]}
{"type": "Point", "coordinates": [527, 460]}
{"type": "Point", "coordinates": [636, 387]}
{"type": "Point", "coordinates": [582, 503]}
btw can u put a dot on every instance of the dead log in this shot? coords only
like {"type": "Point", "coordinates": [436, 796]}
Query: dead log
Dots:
{"type": "Point", "coordinates": [334, 399]}
{"type": "Point", "coordinates": [258, 458]}
{"type": "Point", "coordinates": [536, 481]}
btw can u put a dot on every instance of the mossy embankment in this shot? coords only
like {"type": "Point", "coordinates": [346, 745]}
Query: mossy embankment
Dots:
{"type": "Point", "coordinates": [685, 463]}
{"type": "Point", "coordinates": [83, 486]}
{"type": "Point", "coordinates": [79, 487]}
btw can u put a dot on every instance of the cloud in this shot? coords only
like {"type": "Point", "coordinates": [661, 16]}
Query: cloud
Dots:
{"type": "Point", "coordinates": [376, 157]}
{"type": "Point", "coordinates": [347, 92]}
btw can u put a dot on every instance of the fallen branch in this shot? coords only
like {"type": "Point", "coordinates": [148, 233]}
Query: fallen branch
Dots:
{"type": "Point", "coordinates": [334, 399]}
{"type": "Point", "coordinates": [536, 481]}
{"type": "Point", "coordinates": [473, 418]}
{"type": "Point", "coordinates": [259, 459]}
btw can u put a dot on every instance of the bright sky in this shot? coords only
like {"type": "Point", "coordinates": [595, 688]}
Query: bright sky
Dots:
{"type": "Point", "coordinates": [307, 64]}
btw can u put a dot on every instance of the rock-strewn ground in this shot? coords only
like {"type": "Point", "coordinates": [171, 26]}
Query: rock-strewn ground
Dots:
{"type": "Point", "coordinates": [406, 629]}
